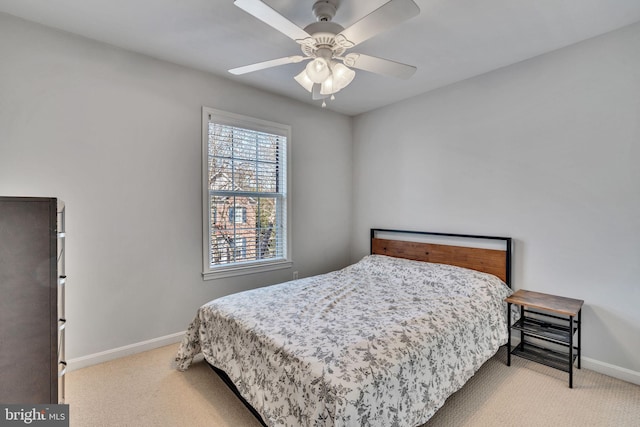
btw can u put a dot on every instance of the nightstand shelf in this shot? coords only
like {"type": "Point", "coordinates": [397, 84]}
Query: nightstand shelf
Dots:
{"type": "Point", "coordinates": [544, 356]}
{"type": "Point", "coordinates": [549, 331]}
{"type": "Point", "coordinates": [544, 337]}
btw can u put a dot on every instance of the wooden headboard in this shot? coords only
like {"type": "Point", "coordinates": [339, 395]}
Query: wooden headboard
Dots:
{"type": "Point", "coordinates": [492, 261]}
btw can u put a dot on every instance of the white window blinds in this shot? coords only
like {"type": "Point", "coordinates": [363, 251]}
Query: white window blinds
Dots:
{"type": "Point", "coordinates": [246, 192]}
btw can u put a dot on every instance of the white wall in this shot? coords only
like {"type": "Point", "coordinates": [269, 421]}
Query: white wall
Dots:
{"type": "Point", "coordinates": [117, 136]}
{"type": "Point", "coordinates": [546, 151]}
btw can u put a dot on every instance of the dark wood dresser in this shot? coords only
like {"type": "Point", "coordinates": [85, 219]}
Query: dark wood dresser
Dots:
{"type": "Point", "coordinates": [32, 318]}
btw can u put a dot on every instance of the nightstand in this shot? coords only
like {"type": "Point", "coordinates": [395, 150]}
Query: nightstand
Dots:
{"type": "Point", "coordinates": [546, 332]}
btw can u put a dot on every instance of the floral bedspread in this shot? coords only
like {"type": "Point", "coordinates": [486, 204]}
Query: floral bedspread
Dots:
{"type": "Point", "coordinates": [382, 342]}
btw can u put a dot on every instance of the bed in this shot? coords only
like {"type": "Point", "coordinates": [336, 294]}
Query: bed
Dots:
{"type": "Point", "coordinates": [382, 342]}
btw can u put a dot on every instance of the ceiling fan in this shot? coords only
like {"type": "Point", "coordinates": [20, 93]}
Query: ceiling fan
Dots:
{"type": "Point", "coordinates": [324, 44]}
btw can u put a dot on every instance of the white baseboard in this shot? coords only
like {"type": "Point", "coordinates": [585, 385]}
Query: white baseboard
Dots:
{"type": "Point", "coordinates": [127, 350]}
{"type": "Point", "coordinates": [604, 368]}
{"type": "Point", "coordinates": [611, 370]}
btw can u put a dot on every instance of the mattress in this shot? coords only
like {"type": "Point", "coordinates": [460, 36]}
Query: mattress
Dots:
{"type": "Point", "coordinates": [382, 342]}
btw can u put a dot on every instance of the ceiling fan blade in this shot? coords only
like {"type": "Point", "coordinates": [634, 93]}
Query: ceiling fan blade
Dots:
{"type": "Point", "coordinates": [271, 17]}
{"type": "Point", "coordinates": [381, 19]}
{"type": "Point", "coordinates": [267, 64]}
{"type": "Point", "coordinates": [379, 65]}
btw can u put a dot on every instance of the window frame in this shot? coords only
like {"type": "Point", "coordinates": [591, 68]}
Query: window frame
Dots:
{"type": "Point", "coordinates": [245, 267]}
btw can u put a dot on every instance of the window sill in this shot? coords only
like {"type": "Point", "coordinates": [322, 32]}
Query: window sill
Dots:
{"type": "Point", "coordinates": [240, 270]}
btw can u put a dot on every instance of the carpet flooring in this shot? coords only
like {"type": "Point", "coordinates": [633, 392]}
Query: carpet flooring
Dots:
{"type": "Point", "coordinates": [146, 390]}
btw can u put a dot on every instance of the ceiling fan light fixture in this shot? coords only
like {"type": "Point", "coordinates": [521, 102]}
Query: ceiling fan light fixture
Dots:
{"type": "Point", "coordinates": [342, 75]}
{"type": "Point", "coordinates": [318, 70]}
{"type": "Point", "coordinates": [304, 80]}
{"type": "Point", "coordinates": [340, 78]}
{"type": "Point", "coordinates": [328, 87]}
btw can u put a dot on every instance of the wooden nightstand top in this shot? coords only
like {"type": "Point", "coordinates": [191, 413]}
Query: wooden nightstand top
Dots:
{"type": "Point", "coordinates": [556, 304]}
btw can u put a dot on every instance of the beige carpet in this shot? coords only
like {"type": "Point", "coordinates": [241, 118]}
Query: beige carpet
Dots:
{"type": "Point", "coordinates": [146, 390]}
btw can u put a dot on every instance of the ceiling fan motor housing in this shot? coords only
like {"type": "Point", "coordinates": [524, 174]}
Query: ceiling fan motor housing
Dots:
{"type": "Point", "coordinates": [325, 10]}
{"type": "Point", "coordinates": [323, 34]}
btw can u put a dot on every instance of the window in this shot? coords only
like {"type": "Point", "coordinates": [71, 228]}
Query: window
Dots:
{"type": "Point", "coordinates": [245, 197]}
{"type": "Point", "coordinates": [238, 214]}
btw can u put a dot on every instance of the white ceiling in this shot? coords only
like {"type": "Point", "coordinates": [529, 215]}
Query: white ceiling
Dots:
{"type": "Point", "coordinates": [449, 41]}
